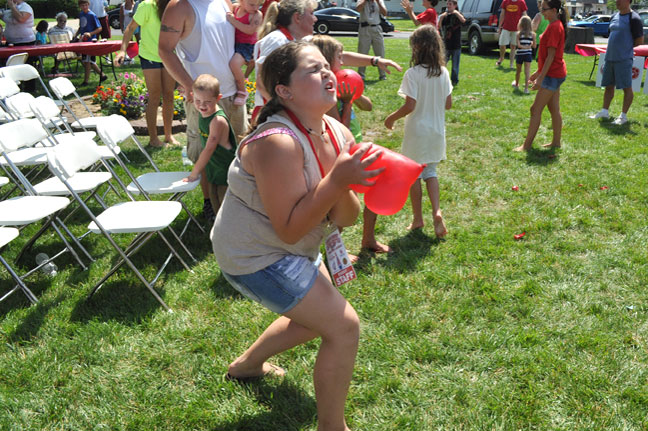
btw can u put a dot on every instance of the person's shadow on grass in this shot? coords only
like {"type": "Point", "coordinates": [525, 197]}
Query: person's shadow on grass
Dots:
{"type": "Point", "coordinates": [287, 407]}
{"type": "Point", "coordinates": [407, 251]}
{"type": "Point", "coordinates": [543, 156]}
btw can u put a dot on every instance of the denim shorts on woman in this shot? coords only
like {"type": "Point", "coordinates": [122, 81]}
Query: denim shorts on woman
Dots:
{"type": "Point", "coordinates": [148, 64]}
{"type": "Point", "coordinates": [552, 84]}
{"type": "Point", "coordinates": [280, 286]}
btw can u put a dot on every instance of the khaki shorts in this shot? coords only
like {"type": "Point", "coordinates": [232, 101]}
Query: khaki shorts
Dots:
{"type": "Point", "coordinates": [508, 37]}
{"type": "Point", "coordinates": [237, 116]}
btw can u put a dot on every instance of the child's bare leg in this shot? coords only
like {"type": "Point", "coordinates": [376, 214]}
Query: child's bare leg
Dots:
{"type": "Point", "coordinates": [86, 72]}
{"type": "Point", "coordinates": [168, 86]}
{"type": "Point", "coordinates": [556, 120]}
{"type": "Point", "coordinates": [541, 100]}
{"type": "Point", "coordinates": [518, 69]}
{"type": "Point", "coordinates": [416, 197]}
{"type": "Point", "coordinates": [235, 64]}
{"type": "Point", "coordinates": [368, 233]}
{"type": "Point", "coordinates": [527, 74]}
{"type": "Point", "coordinates": [432, 185]}
{"type": "Point", "coordinates": [249, 68]}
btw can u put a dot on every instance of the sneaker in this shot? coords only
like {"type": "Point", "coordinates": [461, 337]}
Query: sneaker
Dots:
{"type": "Point", "coordinates": [526, 91]}
{"type": "Point", "coordinates": [620, 120]}
{"type": "Point", "coordinates": [514, 84]}
{"type": "Point", "coordinates": [600, 114]}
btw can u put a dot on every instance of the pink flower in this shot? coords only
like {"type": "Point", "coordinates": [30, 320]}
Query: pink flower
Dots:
{"type": "Point", "coordinates": [126, 75]}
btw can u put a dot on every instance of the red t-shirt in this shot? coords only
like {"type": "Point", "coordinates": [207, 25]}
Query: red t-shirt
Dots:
{"type": "Point", "coordinates": [429, 16]}
{"type": "Point", "coordinates": [513, 10]}
{"type": "Point", "coordinates": [553, 36]}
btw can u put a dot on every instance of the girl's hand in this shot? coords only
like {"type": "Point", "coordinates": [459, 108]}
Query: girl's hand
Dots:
{"type": "Point", "coordinates": [190, 179]}
{"type": "Point", "coordinates": [406, 5]}
{"type": "Point", "coordinates": [230, 17]}
{"type": "Point", "coordinates": [351, 168]}
{"type": "Point", "coordinates": [389, 122]}
{"type": "Point", "coordinates": [346, 95]}
{"type": "Point", "coordinates": [535, 85]}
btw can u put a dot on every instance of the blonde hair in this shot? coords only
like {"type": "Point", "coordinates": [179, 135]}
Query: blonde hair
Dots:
{"type": "Point", "coordinates": [329, 46]}
{"type": "Point", "coordinates": [280, 14]}
{"type": "Point", "coordinates": [524, 26]}
{"type": "Point", "coordinates": [208, 83]}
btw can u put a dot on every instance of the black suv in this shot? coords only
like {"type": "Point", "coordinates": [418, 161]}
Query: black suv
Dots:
{"type": "Point", "coordinates": [480, 28]}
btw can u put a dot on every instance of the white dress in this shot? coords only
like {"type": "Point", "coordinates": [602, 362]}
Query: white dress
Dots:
{"type": "Point", "coordinates": [424, 136]}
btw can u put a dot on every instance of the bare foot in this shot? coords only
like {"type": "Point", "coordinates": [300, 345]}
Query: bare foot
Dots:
{"type": "Point", "coordinates": [239, 372]}
{"type": "Point", "coordinates": [551, 146]}
{"type": "Point", "coordinates": [521, 148]}
{"type": "Point", "coordinates": [171, 140]}
{"type": "Point", "coordinates": [353, 258]}
{"type": "Point", "coordinates": [416, 225]}
{"type": "Point", "coordinates": [376, 247]}
{"type": "Point", "coordinates": [439, 227]}
{"type": "Point", "coordinates": [156, 143]}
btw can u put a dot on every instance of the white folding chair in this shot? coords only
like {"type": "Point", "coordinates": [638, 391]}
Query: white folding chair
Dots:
{"type": "Point", "coordinates": [62, 88]}
{"type": "Point", "coordinates": [24, 72]}
{"type": "Point", "coordinates": [116, 130]}
{"type": "Point", "coordinates": [8, 234]}
{"type": "Point", "coordinates": [8, 88]}
{"type": "Point", "coordinates": [65, 56]}
{"type": "Point", "coordinates": [20, 58]}
{"type": "Point", "coordinates": [145, 218]}
{"type": "Point", "coordinates": [16, 139]}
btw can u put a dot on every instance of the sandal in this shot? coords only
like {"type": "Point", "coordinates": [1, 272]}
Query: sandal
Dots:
{"type": "Point", "coordinates": [241, 97]}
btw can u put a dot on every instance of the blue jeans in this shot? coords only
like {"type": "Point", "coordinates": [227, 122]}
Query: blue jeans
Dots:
{"type": "Point", "coordinates": [454, 54]}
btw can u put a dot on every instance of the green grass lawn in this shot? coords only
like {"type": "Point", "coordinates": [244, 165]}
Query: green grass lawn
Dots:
{"type": "Point", "coordinates": [478, 331]}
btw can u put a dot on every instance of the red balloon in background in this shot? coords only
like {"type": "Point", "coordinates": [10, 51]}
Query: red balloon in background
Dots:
{"type": "Point", "coordinates": [388, 195]}
{"type": "Point", "coordinates": [132, 50]}
{"type": "Point", "coordinates": [353, 78]}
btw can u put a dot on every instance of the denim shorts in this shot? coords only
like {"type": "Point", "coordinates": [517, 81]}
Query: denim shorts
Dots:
{"type": "Point", "coordinates": [429, 171]}
{"type": "Point", "coordinates": [280, 286]}
{"type": "Point", "coordinates": [552, 84]}
{"type": "Point", "coordinates": [245, 49]}
{"type": "Point", "coordinates": [148, 64]}
{"type": "Point", "coordinates": [618, 73]}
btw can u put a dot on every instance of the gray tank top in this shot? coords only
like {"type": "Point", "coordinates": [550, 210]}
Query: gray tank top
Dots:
{"type": "Point", "coordinates": [243, 238]}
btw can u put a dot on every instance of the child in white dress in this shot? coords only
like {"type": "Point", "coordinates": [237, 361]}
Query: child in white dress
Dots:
{"type": "Point", "coordinates": [427, 90]}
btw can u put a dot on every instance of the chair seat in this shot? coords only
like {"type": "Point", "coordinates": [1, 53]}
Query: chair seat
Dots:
{"type": "Point", "coordinates": [141, 216]}
{"type": "Point", "coordinates": [106, 153]}
{"type": "Point", "coordinates": [23, 210]}
{"type": "Point", "coordinates": [65, 137]}
{"type": "Point", "coordinates": [3, 181]}
{"type": "Point", "coordinates": [7, 234]}
{"type": "Point", "coordinates": [28, 156]}
{"type": "Point", "coordinates": [88, 122]}
{"type": "Point", "coordinates": [163, 182]}
{"type": "Point", "coordinates": [81, 182]}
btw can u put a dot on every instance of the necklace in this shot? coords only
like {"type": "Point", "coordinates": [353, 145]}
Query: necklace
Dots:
{"type": "Point", "coordinates": [312, 132]}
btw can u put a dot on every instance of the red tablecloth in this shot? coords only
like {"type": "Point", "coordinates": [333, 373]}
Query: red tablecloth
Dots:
{"type": "Point", "coordinates": [88, 48]}
{"type": "Point", "coordinates": [588, 49]}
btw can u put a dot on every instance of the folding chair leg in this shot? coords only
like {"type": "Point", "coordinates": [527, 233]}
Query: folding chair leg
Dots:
{"type": "Point", "coordinates": [78, 243]}
{"type": "Point", "coordinates": [175, 253]}
{"type": "Point", "coordinates": [28, 293]}
{"type": "Point", "coordinates": [191, 217]}
{"type": "Point", "coordinates": [182, 245]}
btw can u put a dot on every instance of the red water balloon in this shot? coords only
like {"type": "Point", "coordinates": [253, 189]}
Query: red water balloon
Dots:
{"type": "Point", "coordinates": [132, 50]}
{"type": "Point", "coordinates": [353, 79]}
{"type": "Point", "coordinates": [388, 195]}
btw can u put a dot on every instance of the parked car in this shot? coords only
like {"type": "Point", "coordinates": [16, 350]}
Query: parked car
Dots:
{"type": "Point", "coordinates": [480, 29]}
{"type": "Point", "coordinates": [644, 17]}
{"type": "Point", "coordinates": [600, 24]}
{"type": "Point", "coordinates": [113, 18]}
{"type": "Point", "coordinates": [343, 19]}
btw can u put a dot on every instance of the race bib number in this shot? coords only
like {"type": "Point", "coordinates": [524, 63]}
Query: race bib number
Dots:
{"type": "Point", "coordinates": [338, 259]}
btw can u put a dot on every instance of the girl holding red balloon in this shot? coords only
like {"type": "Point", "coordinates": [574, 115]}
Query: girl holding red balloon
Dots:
{"type": "Point", "coordinates": [350, 94]}
{"type": "Point", "coordinates": [428, 93]}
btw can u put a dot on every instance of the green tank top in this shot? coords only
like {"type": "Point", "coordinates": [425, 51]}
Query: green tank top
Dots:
{"type": "Point", "coordinates": [218, 165]}
{"type": "Point", "coordinates": [544, 22]}
{"type": "Point", "coordinates": [354, 125]}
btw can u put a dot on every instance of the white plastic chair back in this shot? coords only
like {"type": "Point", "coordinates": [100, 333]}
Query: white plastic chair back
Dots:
{"type": "Point", "coordinates": [62, 87]}
{"type": "Point", "coordinates": [8, 88]}
{"type": "Point", "coordinates": [21, 72]}
{"type": "Point", "coordinates": [4, 117]}
{"type": "Point", "coordinates": [114, 130]}
{"type": "Point", "coordinates": [73, 156]}
{"type": "Point", "coordinates": [17, 59]}
{"type": "Point", "coordinates": [19, 105]}
{"type": "Point", "coordinates": [44, 108]}
{"type": "Point", "coordinates": [21, 133]}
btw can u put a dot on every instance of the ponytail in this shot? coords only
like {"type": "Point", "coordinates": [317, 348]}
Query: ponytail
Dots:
{"type": "Point", "coordinates": [269, 21]}
{"type": "Point", "coordinates": [269, 109]}
{"type": "Point", "coordinates": [563, 15]}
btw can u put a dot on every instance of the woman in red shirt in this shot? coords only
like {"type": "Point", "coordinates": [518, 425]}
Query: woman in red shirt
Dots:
{"type": "Point", "coordinates": [429, 16]}
{"type": "Point", "coordinates": [550, 75]}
